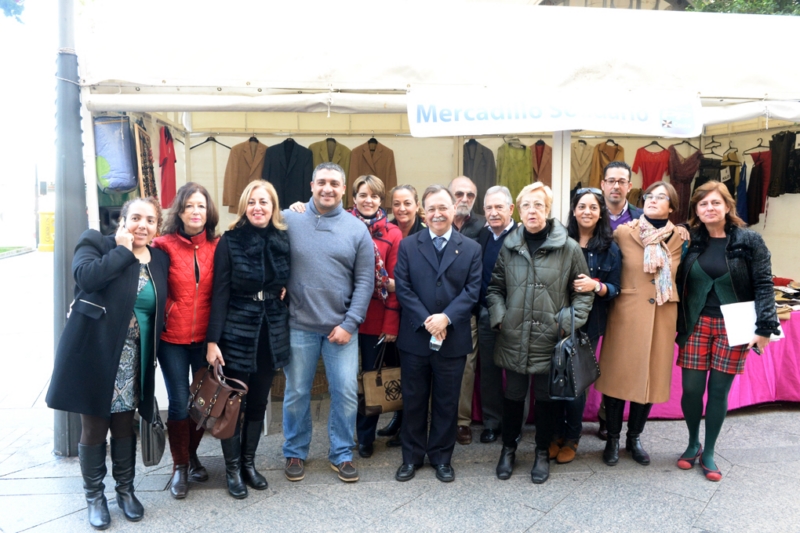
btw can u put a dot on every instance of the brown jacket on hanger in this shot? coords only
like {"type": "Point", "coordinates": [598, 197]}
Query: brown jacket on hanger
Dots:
{"type": "Point", "coordinates": [543, 169]}
{"type": "Point", "coordinates": [604, 154]}
{"type": "Point", "coordinates": [379, 163]}
{"type": "Point", "coordinates": [245, 164]}
{"type": "Point", "coordinates": [340, 156]}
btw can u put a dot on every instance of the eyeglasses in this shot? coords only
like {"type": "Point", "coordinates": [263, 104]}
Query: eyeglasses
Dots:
{"type": "Point", "coordinates": [460, 194]}
{"type": "Point", "coordinates": [527, 206]}
{"type": "Point", "coordinates": [589, 189]}
{"type": "Point", "coordinates": [621, 182]}
{"type": "Point", "coordinates": [656, 197]}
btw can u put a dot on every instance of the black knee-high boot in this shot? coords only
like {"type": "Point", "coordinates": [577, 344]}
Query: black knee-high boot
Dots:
{"type": "Point", "coordinates": [637, 417]}
{"type": "Point", "coordinates": [93, 469]}
{"type": "Point", "coordinates": [614, 413]}
{"type": "Point", "coordinates": [512, 427]}
{"type": "Point", "coordinates": [232, 452]}
{"type": "Point", "coordinates": [251, 434]}
{"type": "Point", "coordinates": [123, 468]}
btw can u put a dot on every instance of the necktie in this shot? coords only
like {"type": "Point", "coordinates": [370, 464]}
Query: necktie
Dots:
{"type": "Point", "coordinates": [438, 242]}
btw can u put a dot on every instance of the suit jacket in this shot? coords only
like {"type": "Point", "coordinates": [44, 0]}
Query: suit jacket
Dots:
{"type": "Point", "coordinates": [479, 166]}
{"type": "Point", "coordinates": [604, 153]}
{"type": "Point", "coordinates": [542, 170]}
{"type": "Point", "coordinates": [473, 227]}
{"type": "Point", "coordinates": [291, 178]}
{"type": "Point", "coordinates": [429, 287]}
{"type": "Point", "coordinates": [379, 163]}
{"type": "Point", "coordinates": [243, 167]}
{"type": "Point", "coordinates": [341, 156]}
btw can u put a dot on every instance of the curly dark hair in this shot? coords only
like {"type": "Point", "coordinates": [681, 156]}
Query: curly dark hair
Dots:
{"type": "Point", "coordinates": [148, 200]}
{"type": "Point", "coordinates": [603, 236]}
{"type": "Point", "coordinates": [173, 223]}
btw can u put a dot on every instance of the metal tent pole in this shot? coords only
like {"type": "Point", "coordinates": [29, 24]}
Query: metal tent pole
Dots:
{"type": "Point", "coordinates": [70, 219]}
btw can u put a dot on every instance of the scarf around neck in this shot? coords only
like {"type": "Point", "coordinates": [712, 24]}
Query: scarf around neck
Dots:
{"type": "Point", "coordinates": [657, 256]}
{"type": "Point", "coordinates": [381, 275]}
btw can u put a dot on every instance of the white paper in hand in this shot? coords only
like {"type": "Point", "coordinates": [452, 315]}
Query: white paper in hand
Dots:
{"type": "Point", "coordinates": [740, 323]}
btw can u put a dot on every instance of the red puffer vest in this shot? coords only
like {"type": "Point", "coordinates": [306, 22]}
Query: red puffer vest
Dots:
{"type": "Point", "coordinates": [188, 302]}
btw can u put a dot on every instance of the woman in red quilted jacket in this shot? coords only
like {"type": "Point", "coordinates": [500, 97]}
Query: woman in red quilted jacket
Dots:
{"type": "Point", "coordinates": [189, 240]}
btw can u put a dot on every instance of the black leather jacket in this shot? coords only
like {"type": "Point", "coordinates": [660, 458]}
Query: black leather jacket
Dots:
{"type": "Point", "coordinates": [751, 274]}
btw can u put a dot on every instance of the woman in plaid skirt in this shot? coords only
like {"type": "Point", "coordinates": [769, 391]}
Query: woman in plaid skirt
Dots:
{"type": "Point", "coordinates": [725, 264]}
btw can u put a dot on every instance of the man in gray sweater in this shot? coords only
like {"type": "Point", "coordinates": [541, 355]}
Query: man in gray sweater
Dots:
{"type": "Point", "coordinates": [331, 282]}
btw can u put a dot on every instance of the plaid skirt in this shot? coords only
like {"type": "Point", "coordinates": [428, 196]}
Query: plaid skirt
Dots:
{"type": "Point", "coordinates": [707, 348]}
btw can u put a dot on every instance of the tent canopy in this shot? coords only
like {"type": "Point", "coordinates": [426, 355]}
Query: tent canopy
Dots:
{"type": "Point", "coordinates": [355, 57]}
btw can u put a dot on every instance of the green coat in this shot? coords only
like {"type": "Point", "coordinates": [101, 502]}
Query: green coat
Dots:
{"type": "Point", "coordinates": [526, 295]}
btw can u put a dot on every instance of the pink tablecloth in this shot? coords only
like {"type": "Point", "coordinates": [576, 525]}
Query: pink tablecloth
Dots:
{"type": "Point", "coordinates": [772, 377]}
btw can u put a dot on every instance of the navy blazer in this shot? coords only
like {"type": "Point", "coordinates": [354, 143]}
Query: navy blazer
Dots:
{"type": "Point", "coordinates": [425, 287]}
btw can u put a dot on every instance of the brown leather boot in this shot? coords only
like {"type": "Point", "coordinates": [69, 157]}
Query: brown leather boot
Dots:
{"type": "Point", "coordinates": [178, 433]}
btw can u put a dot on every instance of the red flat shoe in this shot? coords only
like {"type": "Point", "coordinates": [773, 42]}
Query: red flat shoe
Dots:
{"type": "Point", "coordinates": [687, 464]}
{"type": "Point", "coordinates": [711, 475]}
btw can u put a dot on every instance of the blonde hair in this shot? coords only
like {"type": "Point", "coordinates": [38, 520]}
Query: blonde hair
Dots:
{"type": "Point", "coordinates": [277, 217]}
{"type": "Point", "coordinates": [413, 191]}
{"type": "Point", "coordinates": [373, 183]}
{"type": "Point", "coordinates": [548, 194]}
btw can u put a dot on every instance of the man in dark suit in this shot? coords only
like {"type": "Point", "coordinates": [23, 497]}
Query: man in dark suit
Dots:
{"type": "Point", "coordinates": [616, 185]}
{"type": "Point", "coordinates": [498, 207]}
{"type": "Point", "coordinates": [437, 280]}
{"type": "Point", "coordinates": [468, 224]}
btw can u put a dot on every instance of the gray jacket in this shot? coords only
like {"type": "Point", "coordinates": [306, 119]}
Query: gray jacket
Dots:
{"type": "Point", "coordinates": [333, 270]}
{"type": "Point", "coordinates": [526, 295]}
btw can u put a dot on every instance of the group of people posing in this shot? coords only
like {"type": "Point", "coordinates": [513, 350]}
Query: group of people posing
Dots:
{"type": "Point", "coordinates": [281, 288]}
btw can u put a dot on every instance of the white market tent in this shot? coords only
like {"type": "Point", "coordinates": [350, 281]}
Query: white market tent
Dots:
{"type": "Point", "coordinates": [251, 63]}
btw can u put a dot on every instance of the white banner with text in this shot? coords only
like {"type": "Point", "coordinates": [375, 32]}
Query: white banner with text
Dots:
{"type": "Point", "coordinates": [444, 112]}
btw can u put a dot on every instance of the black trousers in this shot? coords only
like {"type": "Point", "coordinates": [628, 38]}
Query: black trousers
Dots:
{"type": "Point", "coordinates": [438, 378]}
{"type": "Point", "coordinates": [259, 382]}
{"type": "Point", "coordinates": [545, 410]}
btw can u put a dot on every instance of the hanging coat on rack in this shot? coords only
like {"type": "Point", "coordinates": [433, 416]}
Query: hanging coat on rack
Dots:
{"type": "Point", "coordinates": [542, 161]}
{"type": "Point", "coordinates": [514, 169]}
{"type": "Point", "coordinates": [604, 153]}
{"type": "Point", "coordinates": [332, 151]}
{"type": "Point", "coordinates": [288, 167]}
{"type": "Point", "coordinates": [757, 185]}
{"type": "Point", "coordinates": [580, 163]}
{"type": "Point", "coordinates": [781, 146]}
{"type": "Point", "coordinates": [245, 164]}
{"type": "Point", "coordinates": [378, 162]}
{"type": "Point", "coordinates": [681, 173]}
{"type": "Point", "coordinates": [166, 156]}
{"type": "Point", "coordinates": [479, 166]}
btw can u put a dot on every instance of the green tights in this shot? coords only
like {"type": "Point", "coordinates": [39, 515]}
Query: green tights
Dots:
{"type": "Point", "coordinates": [694, 386]}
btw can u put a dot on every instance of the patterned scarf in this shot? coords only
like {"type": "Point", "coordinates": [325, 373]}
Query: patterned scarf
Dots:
{"type": "Point", "coordinates": [381, 276]}
{"type": "Point", "coordinates": [657, 257]}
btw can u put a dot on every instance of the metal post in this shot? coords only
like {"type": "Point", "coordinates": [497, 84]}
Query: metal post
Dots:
{"type": "Point", "coordinates": [70, 219]}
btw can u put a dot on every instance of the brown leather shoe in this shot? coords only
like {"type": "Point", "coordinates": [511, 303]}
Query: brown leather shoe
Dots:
{"type": "Point", "coordinates": [463, 435]}
{"type": "Point", "coordinates": [555, 447]}
{"type": "Point", "coordinates": [567, 452]}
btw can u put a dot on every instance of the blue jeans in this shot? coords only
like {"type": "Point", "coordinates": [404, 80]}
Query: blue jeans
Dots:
{"type": "Point", "coordinates": [175, 360]}
{"type": "Point", "coordinates": [341, 369]}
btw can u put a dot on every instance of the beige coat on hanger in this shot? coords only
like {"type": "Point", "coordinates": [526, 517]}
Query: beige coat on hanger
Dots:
{"type": "Point", "coordinates": [244, 165]}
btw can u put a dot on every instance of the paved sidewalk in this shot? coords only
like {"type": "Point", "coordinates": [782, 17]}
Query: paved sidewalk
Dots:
{"type": "Point", "coordinates": [758, 452]}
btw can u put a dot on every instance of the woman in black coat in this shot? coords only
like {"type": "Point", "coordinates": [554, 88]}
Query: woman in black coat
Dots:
{"type": "Point", "coordinates": [105, 362]}
{"type": "Point", "coordinates": [248, 331]}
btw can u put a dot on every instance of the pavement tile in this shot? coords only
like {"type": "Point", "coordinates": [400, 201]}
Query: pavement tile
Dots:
{"type": "Point", "coordinates": [20, 512]}
{"type": "Point", "coordinates": [750, 499]}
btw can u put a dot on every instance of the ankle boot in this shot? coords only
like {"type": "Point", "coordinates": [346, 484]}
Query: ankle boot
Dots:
{"type": "Point", "coordinates": [393, 427]}
{"type": "Point", "coordinates": [232, 452]}
{"type": "Point", "coordinates": [541, 466]}
{"type": "Point", "coordinates": [178, 433]}
{"type": "Point", "coordinates": [614, 413]}
{"type": "Point", "coordinates": [505, 465]}
{"type": "Point", "coordinates": [511, 425]}
{"type": "Point", "coordinates": [123, 468]}
{"type": "Point", "coordinates": [93, 470]}
{"type": "Point", "coordinates": [197, 472]}
{"type": "Point", "coordinates": [637, 417]}
{"type": "Point", "coordinates": [251, 433]}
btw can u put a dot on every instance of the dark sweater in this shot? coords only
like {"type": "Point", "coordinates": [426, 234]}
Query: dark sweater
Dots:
{"type": "Point", "coordinates": [535, 240]}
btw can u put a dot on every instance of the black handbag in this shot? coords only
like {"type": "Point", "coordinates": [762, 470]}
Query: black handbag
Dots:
{"type": "Point", "coordinates": [153, 438]}
{"type": "Point", "coordinates": [574, 366]}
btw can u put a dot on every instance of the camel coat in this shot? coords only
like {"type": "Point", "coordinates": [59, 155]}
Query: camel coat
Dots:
{"type": "Point", "coordinates": [638, 347]}
{"type": "Point", "coordinates": [245, 164]}
{"type": "Point", "coordinates": [379, 162]}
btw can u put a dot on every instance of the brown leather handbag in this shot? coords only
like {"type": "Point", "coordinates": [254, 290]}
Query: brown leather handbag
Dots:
{"type": "Point", "coordinates": [214, 404]}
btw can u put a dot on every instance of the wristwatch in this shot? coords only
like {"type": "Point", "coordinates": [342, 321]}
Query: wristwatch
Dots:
{"type": "Point", "coordinates": [598, 287]}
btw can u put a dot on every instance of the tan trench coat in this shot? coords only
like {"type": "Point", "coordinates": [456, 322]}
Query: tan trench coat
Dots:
{"type": "Point", "coordinates": [638, 346]}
